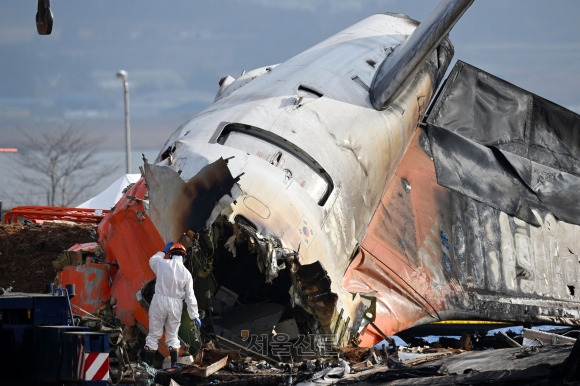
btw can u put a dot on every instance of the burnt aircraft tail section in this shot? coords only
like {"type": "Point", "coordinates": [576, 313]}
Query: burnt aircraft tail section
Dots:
{"type": "Point", "coordinates": [480, 221]}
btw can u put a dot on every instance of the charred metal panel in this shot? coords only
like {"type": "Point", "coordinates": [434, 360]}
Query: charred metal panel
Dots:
{"type": "Point", "coordinates": [187, 205]}
{"type": "Point", "coordinates": [506, 147]}
{"type": "Point", "coordinates": [527, 275]}
{"type": "Point", "coordinates": [472, 261]}
{"type": "Point", "coordinates": [314, 287]}
{"type": "Point", "coordinates": [403, 261]}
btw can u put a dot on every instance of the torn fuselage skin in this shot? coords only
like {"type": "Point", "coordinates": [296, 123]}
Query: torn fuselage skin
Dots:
{"type": "Point", "coordinates": [259, 270]}
{"type": "Point", "coordinates": [229, 252]}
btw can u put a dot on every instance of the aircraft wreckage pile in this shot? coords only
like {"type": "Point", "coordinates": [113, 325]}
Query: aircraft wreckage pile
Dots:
{"type": "Point", "coordinates": [518, 358]}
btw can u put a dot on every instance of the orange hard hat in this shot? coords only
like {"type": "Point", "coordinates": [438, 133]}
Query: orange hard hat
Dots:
{"type": "Point", "coordinates": [177, 249]}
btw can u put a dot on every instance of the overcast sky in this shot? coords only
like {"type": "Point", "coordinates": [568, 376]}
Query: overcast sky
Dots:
{"type": "Point", "coordinates": [175, 51]}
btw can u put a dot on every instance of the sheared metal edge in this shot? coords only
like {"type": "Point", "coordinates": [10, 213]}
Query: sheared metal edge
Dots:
{"type": "Point", "coordinates": [176, 206]}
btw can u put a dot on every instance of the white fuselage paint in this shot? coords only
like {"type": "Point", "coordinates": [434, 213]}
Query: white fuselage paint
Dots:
{"type": "Point", "coordinates": [358, 146]}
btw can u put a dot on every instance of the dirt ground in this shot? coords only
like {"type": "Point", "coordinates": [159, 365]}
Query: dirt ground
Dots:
{"type": "Point", "coordinates": [27, 252]}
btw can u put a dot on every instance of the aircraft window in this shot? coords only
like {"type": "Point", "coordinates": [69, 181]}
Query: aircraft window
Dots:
{"type": "Point", "coordinates": [297, 164]}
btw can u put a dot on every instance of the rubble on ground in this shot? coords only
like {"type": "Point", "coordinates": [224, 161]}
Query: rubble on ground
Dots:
{"type": "Point", "coordinates": [540, 364]}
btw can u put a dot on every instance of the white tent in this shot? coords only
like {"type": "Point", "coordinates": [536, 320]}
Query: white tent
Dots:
{"type": "Point", "coordinates": [109, 197]}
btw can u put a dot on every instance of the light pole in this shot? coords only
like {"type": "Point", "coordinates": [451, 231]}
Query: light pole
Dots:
{"type": "Point", "coordinates": [122, 76]}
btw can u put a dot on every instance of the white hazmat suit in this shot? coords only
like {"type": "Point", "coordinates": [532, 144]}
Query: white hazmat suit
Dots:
{"type": "Point", "coordinates": [173, 285]}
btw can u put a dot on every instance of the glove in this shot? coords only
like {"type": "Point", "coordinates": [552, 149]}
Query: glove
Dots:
{"type": "Point", "coordinates": [167, 246]}
{"type": "Point", "coordinates": [197, 322]}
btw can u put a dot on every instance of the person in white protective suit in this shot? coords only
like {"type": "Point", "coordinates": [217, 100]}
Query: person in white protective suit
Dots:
{"type": "Point", "coordinates": [173, 285]}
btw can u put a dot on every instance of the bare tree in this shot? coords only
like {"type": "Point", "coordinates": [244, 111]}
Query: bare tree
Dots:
{"type": "Point", "coordinates": [64, 162]}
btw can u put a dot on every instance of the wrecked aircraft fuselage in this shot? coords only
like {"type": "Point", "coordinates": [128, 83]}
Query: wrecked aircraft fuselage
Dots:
{"type": "Point", "coordinates": [310, 210]}
{"type": "Point", "coordinates": [311, 157]}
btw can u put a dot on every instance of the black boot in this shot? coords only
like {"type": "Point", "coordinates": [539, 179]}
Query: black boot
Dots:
{"type": "Point", "coordinates": [149, 356]}
{"type": "Point", "coordinates": [173, 354]}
